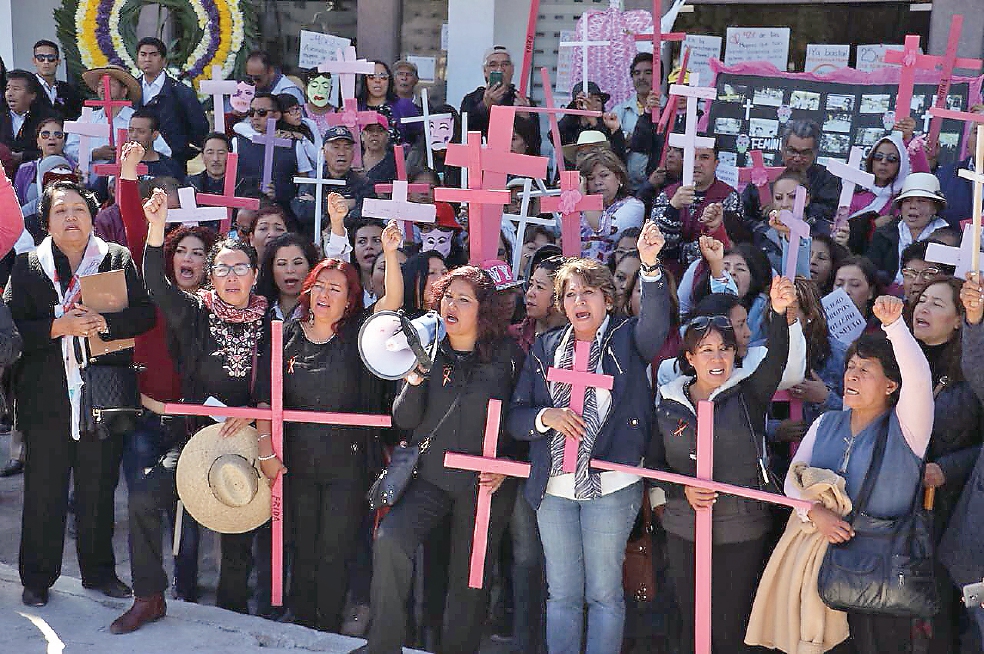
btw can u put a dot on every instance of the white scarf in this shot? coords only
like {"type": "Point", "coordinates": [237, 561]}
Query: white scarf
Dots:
{"type": "Point", "coordinates": [885, 194]}
{"type": "Point", "coordinates": [95, 252]}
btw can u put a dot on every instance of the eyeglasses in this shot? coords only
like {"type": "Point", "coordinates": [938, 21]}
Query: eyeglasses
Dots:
{"type": "Point", "coordinates": [50, 58]}
{"type": "Point", "coordinates": [703, 323]}
{"type": "Point", "coordinates": [262, 113]}
{"type": "Point", "coordinates": [795, 152]}
{"type": "Point", "coordinates": [378, 76]}
{"type": "Point", "coordinates": [223, 270]}
{"type": "Point", "coordinates": [925, 273]}
{"type": "Point", "coordinates": [47, 134]}
{"type": "Point", "coordinates": [881, 156]}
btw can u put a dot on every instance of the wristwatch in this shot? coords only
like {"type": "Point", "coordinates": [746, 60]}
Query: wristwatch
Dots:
{"type": "Point", "coordinates": [648, 270]}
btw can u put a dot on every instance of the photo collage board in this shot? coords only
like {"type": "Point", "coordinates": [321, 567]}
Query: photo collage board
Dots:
{"type": "Point", "coordinates": [751, 111]}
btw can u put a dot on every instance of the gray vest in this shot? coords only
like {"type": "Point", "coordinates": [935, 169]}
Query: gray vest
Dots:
{"type": "Point", "coordinates": [850, 456]}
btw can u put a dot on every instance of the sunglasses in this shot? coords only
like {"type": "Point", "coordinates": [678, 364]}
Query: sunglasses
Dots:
{"type": "Point", "coordinates": [703, 323]}
{"type": "Point", "coordinates": [47, 134]}
{"type": "Point", "coordinates": [50, 58]}
{"type": "Point", "coordinates": [223, 270]}
{"type": "Point", "coordinates": [378, 76]}
{"type": "Point", "coordinates": [881, 156]}
{"type": "Point", "coordinates": [262, 113]}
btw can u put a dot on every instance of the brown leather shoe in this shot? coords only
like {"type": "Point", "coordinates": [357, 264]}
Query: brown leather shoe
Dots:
{"type": "Point", "coordinates": [143, 611]}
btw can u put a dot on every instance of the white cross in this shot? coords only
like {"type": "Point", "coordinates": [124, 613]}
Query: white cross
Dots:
{"type": "Point", "coordinates": [87, 129]}
{"type": "Point", "coordinates": [960, 258]}
{"type": "Point", "coordinates": [522, 220]}
{"type": "Point", "coordinates": [346, 67]}
{"type": "Point", "coordinates": [689, 140]}
{"type": "Point", "coordinates": [927, 118]}
{"type": "Point", "coordinates": [851, 177]}
{"type": "Point", "coordinates": [319, 182]}
{"type": "Point", "coordinates": [190, 213]}
{"type": "Point", "coordinates": [584, 44]}
{"type": "Point", "coordinates": [749, 105]}
{"type": "Point", "coordinates": [426, 120]}
{"type": "Point", "coordinates": [399, 207]}
{"type": "Point", "coordinates": [218, 88]}
{"type": "Point", "coordinates": [976, 178]}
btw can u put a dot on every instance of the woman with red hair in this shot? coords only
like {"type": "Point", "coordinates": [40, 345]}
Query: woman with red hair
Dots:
{"type": "Point", "coordinates": [328, 464]}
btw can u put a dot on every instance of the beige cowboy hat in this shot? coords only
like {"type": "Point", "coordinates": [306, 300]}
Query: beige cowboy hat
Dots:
{"type": "Point", "coordinates": [589, 137]}
{"type": "Point", "coordinates": [93, 79]}
{"type": "Point", "coordinates": [220, 482]}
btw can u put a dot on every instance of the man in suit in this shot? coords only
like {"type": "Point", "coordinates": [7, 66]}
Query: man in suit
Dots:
{"type": "Point", "coordinates": [19, 122]}
{"type": "Point", "coordinates": [182, 118]}
{"type": "Point", "coordinates": [62, 97]}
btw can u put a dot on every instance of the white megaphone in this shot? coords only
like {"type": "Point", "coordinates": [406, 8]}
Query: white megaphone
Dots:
{"type": "Point", "coordinates": [391, 345]}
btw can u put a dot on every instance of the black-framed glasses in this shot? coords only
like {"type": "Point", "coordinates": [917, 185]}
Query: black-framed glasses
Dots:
{"type": "Point", "coordinates": [223, 270]}
{"type": "Point", "coordinates": [881, 156]}
{"type": "Point", "coordinates": [49, 58]}
{"type": "Point", "coordinates": [796, 152]}
{"type": "Point", "coordinates": [703, 323]}
{"type": "Point", "coordinates": [47, 134]}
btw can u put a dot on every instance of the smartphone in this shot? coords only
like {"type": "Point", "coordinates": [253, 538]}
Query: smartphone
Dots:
{"type": "Point", "coordinates": [973, 595]}
{"type": "Point", "coordinates": [495, 77]}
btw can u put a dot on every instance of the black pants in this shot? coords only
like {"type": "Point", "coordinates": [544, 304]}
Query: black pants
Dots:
{"type": "Point", "coordinates": [237, 565]}
{"type": "Point", "coordinates": [422, 506]}
{"type": "Point", "coordinates": [734, 576]}
{"type": "Point", "coordinates": [880, 634]}
{"type": "Point", "coordinates": [326, 518]}
{"type": "Point", "coordinates": [51, 457]}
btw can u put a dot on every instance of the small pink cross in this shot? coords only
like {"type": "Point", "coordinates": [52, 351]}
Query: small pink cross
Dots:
{"type": "Point", "coordinates": [760, 176]}
{"type": "Point", "coordinates": [355, 120]}
{"type": "Point", "coordinates": [114, 168]}
{"type": "Point", "coordinates": [269, 140]}
{"type": "Point", "coordinates": [579, 379]}
{"type": "Point", "coordinates": [910, 59]}
{"type": "Point", "coordinates": [798, 229]}
{"type": "Point", "coordinates": [228, 198]}
{"type": "Point", "coordinates": [570, 203]}
{"type": "Point", "coordinates": [108, 104]}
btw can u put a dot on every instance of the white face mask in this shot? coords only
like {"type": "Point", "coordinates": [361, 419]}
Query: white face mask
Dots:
{"type": "Point", "coordinates": [438, 240]}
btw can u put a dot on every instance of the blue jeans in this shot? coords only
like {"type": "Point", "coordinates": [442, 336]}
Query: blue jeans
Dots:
{"type": "Point", "coordinates": [527, 581]}
{"type": "Point", "coordinates": [584, 547]}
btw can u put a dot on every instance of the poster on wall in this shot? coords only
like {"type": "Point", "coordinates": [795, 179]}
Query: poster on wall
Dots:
{"type": "Point", "coordinates": [745, 44]}
{"type": "Point", "coordinates": [869, 58]}
{"type": "Point", "coordinates": [850, 109]}
{"type": "Point", "coordinates": [823, 58]}
{"type": "Point", "coordinates": [702, 49]}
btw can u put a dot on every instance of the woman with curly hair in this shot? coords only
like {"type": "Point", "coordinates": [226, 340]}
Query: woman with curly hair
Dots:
{"type": "Point", "coordinates": [476, 362]}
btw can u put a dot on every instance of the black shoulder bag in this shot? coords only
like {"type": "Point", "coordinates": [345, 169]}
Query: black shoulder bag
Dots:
{"type": "Point", "coordinates": [110, 394]}
{"type": "Point", "coordinates": [887, 568]}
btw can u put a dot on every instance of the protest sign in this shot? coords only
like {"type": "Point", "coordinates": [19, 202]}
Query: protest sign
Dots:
{"type": "Point", "coordinates": [702, 49]}
{"type": "Point", "coordinates": [823, 58]}
{"type": "Point", "coordinates": [844, 321]}
{"type": "Point", "coordinates": [317, 48]}
{"type": "Point", "coordinates": [770, 44]}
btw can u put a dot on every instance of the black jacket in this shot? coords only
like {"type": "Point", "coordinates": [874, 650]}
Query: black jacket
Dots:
{"type": "Point", "coordinates": [884, 249]}
{"type": "Point", "coordinates": [628, 347]}
{"type": "Point", "coordinates": [478, 114]}
{"type": "Point", "coordinates": [24, 140]}
{"type": "Point", "coordinates": [824, 195]}
{"type": "Point", "coordinates": [68, 101]}
{"type": "Point", "coordinates": [182, 119]}
{"type": "Point", "coordinates": [740, 408]}
{"type": "Point", "coordinates": [421, 408]}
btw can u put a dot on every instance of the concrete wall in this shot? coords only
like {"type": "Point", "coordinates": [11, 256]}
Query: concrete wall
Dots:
{"type": "Point", "coordinates": [30, 20]}
{"type": "Point", "coordinates": [972, 35]}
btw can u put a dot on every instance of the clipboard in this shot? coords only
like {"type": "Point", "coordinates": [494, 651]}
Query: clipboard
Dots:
{"type": "Point", "coordinates": [106, 293]}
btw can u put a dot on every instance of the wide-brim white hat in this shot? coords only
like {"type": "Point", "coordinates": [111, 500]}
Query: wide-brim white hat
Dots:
{"type": "Point", "coordinates": [922, 185]}
{"type": "Point", "coordinates": [220, 482]}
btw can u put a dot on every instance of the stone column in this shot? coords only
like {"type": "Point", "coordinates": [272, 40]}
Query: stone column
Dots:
{"type": "Point", "coordinates": [378, 29]}
{"type": "Point", "coordinates": [972, 36]}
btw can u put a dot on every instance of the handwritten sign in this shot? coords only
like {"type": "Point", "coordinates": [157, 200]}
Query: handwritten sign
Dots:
{"type": "Point", "coordinates": [317, 48]}
{"type": "Point", "coordinates": [823, 58]}
{"type": "Point", "coordinates": [727, 174]}
{"type": "Point", "coordinates": [565, 63]}
{"type": "Point", "coordinates": [702, 49]}
{"type": "Point", "coordinates": [869, 58]}
{"type": "Point", "coordinates": [770, 44]}
{"type": "Point", "coordinates": [844, 321]}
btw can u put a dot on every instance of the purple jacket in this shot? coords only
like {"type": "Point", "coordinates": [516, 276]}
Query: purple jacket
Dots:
{"type": "Point", "coordinates": [26, 174]}
{"type": "Point", "coordinates": [395, 111]}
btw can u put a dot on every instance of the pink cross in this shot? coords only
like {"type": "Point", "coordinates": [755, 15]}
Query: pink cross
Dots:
{"type": "Point", "coordinates": [355, 120]}
{"type": "Point", "coordinates": [485, 463]}
{"type": "Point", "coordinates": [269, 140]}
{"type": "Point", "coordinates": [527, 67]}
{"type": "Point", "coordinates": [218, 88]}
{"type": "Point", "coordinates": [570, 203]}
{"type": "Point", "coordinates": [87, 129]}
{"type": "Point", "coordinates": [948, 62]}
{"type": "Point", "coordinates": [114, 168]}
{"type": "Point", "coordinates": [346, 67]}
{"type": "Point", "coordinates": [190, 213]}
{"type": "Point", "coordinates": [401, 175]}
{"type": "Point", "coordinates": [798, 229]}
{"type": "Point", "coordinates": [761, 176]}
{"type": "Point", "coordinates": [851, 177]}
{"type": "Point", "coordinates": [228, 198]}
{"type": "Point", "coordinates": [399, 208]}
{"type": "Point", "coordinates": [277, 415]}
{"type": "Point", "coordinates": [319, 181]}
{"type": "Point", "coordinates": [704, 536]}
{"type": "Point", "coordinates": [910, 59]}
{"type": "Point", "coordinates": [108, 104]}
{"type": "Point", "coordinates": [658, 36]}
{"type": "Point", "coordinates": [579, 379]}
{"type": "Point", "coordinates": [689, 140]}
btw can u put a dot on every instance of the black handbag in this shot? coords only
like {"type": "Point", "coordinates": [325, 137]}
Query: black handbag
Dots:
{"type": "Point", "coordinates": [887, 568]}
{"type": "Point", "coordinates": [393, 481]}
{"type": "Point", "coordinates": [110, 396]}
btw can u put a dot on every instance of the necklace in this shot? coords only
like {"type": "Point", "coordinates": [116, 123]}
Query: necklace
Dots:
{"type": "Point", "coordinates": [308, 328]}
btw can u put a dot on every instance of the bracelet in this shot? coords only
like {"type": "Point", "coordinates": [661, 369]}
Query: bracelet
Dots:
{"type": "Point", "coordinates": [262, 436]}
{"type": "Point", "coordinates": [267, 458]}
{"type": "Point", "coordinates": [646, 268]}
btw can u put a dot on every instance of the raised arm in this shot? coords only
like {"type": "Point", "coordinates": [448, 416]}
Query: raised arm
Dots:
{"type": "Point", "coordinates": [131, 209]}
{"type": "Point", "coordinates": [761, 385]}
{"type": "Point", "coordinates": [178, 306]}
{"type": "Point", "coordinates": [335, 240]}
{"type": "Point", "coordinates": [393, 278]}
{"type": "Point", "coordinates": [972, 334]}
{"type": "Point", "coordinates": [653, 324]}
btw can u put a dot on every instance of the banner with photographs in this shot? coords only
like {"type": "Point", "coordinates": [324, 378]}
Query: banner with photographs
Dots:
{"type": "Point", "coordinates": [753, 106]}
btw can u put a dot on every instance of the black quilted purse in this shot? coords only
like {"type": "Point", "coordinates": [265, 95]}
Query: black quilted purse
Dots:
{"type": "Point", "coordinates": [887, 568]}
{"type": "Point", "coordinates": [110, 397]}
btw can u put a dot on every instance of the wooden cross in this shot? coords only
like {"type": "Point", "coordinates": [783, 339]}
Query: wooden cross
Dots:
{"type": "Point", "coordinates": [190, 213]}
{"type": "Point", "coordinates": [522, 220]}
{"type": "Point", "coordinates": [426, 119]}
{"type": "Point", "coordinates": [948, 62]}
{"type": "Point", "coordinates": [346, 67]}
{"type": "Point", "coordinates": [319, 181]}
{"type": "Point", "coordinates": [527, 66]}
{"type": "Point", "coordinates": [851, 176]}
{"type": "Point", "coordinates": [910, 59]}
{"type": "Point", "coordinates": [269, 140]}
{"type": "Point", "coordinates": [87, 129]}
{"type": "Point", "coordinates": [277, 416]}
{"type": "Point", "coordinates": [704, 526]}
{"type": "Point", "coordinates": [580, 379]}
{"type": "Point", "coordinates": [401, 176]}
{"type": "Point", "coordinates": [658, 36]}
{"type": "Point", "coordinates": [228, 198]}
{"type": "Point", "coordinates": [798, 229]}
{"type": "Point", "coordinates": [761, 176]}
{"type": "Point", "coordinates": [570, 203]}
{"type": "Point", "coordinates": [355, 120]}
{"type": "Point", "coordinates": [673, 101]}
{"type": "Point", "coordinates": [485, 463]}
{"type": "Point", "coordinates": [218, 88]}
{"type": "Point", "coordinates": [108, 104]}
{"type": "Point", "coordinates": [584, 44]}
{"type": "Point", "coordinates": [110, 169]}
{"type": "Point", "coordinates": [399, 208]}
{"type": "Point", "coordinates": [689, 140]}
{"type": "Point", "coordinates": [552, 112]}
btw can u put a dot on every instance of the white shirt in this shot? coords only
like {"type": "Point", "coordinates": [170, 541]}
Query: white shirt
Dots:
{"type": "Point", "coordinates": [120, 121]}
{"type": "Point", "coordinates": [151, 90]}
{"type": "Point", "coordinates": [52, 90]}
{"type": "Point", "coordinates": [17, 120]}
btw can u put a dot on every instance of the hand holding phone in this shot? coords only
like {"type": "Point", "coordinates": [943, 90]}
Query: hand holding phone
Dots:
{"type": "Point", "coordinates": [495, 77]}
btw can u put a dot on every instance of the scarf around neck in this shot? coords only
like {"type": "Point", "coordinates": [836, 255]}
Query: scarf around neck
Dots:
{"type": "Point", "coordinates": [235, 330]}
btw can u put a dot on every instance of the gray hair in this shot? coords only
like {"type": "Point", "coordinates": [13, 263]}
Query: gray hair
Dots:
{"type": "Point", "coordinates": [804, 129]}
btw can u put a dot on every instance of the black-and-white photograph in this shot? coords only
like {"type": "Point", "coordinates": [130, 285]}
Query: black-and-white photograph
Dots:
{"type": "Point", "coordinates": [806, 100]}
{"type": "Point", "coordinates": [840, 102]}
{"type": "Point", "coordinates": [763, 127]}
{"type": "Point", "coordinates": [728, 158]}
{"type": "Point", "coordinates": [837, 122]}
{"type": "Point", "coordinates": [875, 104]}
{"type": "Point", "coordinates": [768, 97]}
{"type": "Point", "coordinates": [949, 140]}
{"type": "Point", "coordinates": [954, 103]}
{"type": "Point", "coordinates": [729, 126]}
{"type": "Point", "coordinates": [732, 93]}
{"type": "Point", "coordinates": [835, 143]}
{"type": "Point", "coordinates": [918, 103]}
{"type": "Point", "coordinates": [868, 136]}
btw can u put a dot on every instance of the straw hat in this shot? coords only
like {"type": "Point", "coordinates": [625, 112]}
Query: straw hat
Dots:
{"type": "Point", "coordinates": [93, 79]}
{"type": "Point", "coordinates": [585, 138]}
{"type": "Point", "coordinates": [922, 185]}
{"type": "Point", "coordinates": [220, 482]}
